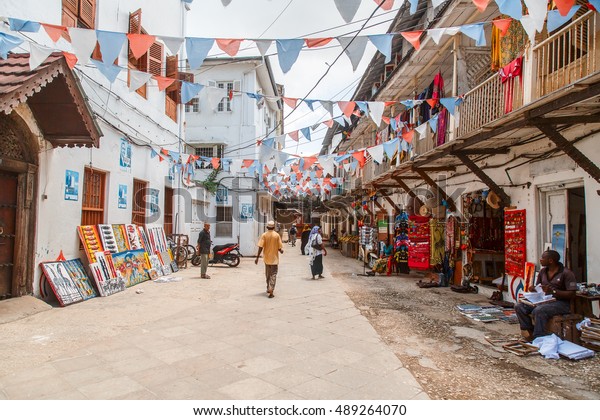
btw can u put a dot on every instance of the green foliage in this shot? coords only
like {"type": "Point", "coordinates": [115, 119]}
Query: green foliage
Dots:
{"type": "Point", "coordinates": [211, 184]}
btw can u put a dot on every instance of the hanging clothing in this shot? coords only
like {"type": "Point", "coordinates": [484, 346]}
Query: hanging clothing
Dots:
{"type": "Point", "coordinates": [496, 59]}
{"type": "Point", "coordinates": [438, 92]}
{"type": "Point", "coordinates": [508, 74]}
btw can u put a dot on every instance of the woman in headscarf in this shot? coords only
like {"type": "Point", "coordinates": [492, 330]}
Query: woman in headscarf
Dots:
{"type": "Point", "coordinates": [304, 238]}
{"type": "Point", "coordinates": [316, 251]}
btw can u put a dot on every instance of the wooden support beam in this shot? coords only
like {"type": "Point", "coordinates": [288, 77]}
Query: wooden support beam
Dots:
{"type": "Point", "coordinates": [389, 200]}
{"type": "Point", "coordinates": [566, 146]}
{"type": "Point", "coordinates": [433, 184]}
{"type": "Point", "coordinates": [406, 188]}
{"type": "Point", "coordinates": [483, 151]}
{"type": "Point", "coordinates": [437, 169]}
{"type": "Point", "coordinates": [379, 206]}
{"type": "Point", "coordinates": [575, 119]}
{"type": "Point", "coordinates": [486, 179]}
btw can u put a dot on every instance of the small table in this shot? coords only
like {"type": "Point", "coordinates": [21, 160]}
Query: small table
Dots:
{"type": "Point", "coordinates": [583, 304]}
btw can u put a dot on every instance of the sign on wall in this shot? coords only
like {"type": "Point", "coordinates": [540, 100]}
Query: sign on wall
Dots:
{"type": "Point", "coordinates": [153, 200]}
{"type": "Point", "coordinates": [222, 195]}
{"type": "Point", "coordinates": [125, 156]}
{"type": "Point", "coordinates": [71, 185]}
{"type": "Point", "coordinates": [558, 239]}
{"type": "Point", "coordinates": [122, 196]}
{"type": "Point", "coordinates": [246, 211]}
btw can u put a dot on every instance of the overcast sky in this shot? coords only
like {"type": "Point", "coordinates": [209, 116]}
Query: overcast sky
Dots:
{"type": "Point", "coordinates": [301, 18]}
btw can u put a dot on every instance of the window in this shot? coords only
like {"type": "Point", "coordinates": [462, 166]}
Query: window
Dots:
{"type": "Point", "coordinates": [224, 222]}
{"type": "Point", "coordinates": [94, 184]}
{"type": "Point", "coordinates": [192, 106]}
{"type": "Point", "coordinates": [211, 151]}
{"type": "Point", "coordinates": [138, 213]}
{"type": "Point", "coordinates": [168, 222]}
{"type": "Point", "coordinates": [79, 13]}
{"type": "Point", "coordinates": [225, 104]}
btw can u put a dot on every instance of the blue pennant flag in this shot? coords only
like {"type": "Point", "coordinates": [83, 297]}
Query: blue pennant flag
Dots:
{"type": "Point", "coordinates": [108, 70]}
{"type": "Point", "coordinates": [226, 163]}
{"type": "Point", "coordinates": [449, 104]}
{"type": "Point", "coordinates": [309, 103]}
{"type": "Point", "coordinates": [110, 44]}
{"type": "Point", "coordinates": [408, 103]}
{"type": "Point", "coordinates": [433, 122]}
{"type": "Point", "coordinates": [174, 155]}
{"type": "Point", "coordinates": [288, 51]}
{"type": "Point", "coordinates": [384, 44]}
{"type": "Point", "coordinates": [306, 132]}
{"type": "Point", "coordinates": [511, 8]}
{"type": "Point", "coordinates": [390, 147]}
{"type": "Point", "coordinates": [340, 120]}
{"type": "Point", "coordinates": [189, 91]}
{"type": "Point", "coordinates": [555, 20]}
{"type": "Point", "coordinates": [413, 6]}
{"type": "Point", "coordinates": [393, 124]}
{"type": "Point", "coordinates": [255, 96]}
{"type": "Point", "coordinates": [362, 105]}
{"type": "Point", "coordinates": [153, 153]}
{"type": "Point", "coordinates": [7, 43]}
{"type": "Point", "coordinates": [595, 3]}
{"type": "Point", "coordinates": [270, 142]}
{"type": "Point", "coordinates": [404, 145]}
{"type": "Point", "coordinates": [20, 25]}
{"type": "Point", "coordinates": [197, 50]}
{"type": "Point", "coordinates": [476, 32]}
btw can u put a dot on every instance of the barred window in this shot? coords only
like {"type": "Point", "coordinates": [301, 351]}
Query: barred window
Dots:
{"type": "Point", "coordinates": [224, 227]}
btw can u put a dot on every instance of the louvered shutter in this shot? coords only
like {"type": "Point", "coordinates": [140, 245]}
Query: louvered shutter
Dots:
{"type": "Point", "coordinates": [87, 12]}
{"type": "Point", "coordinates": [172, 71]}
{"type": "Point", "coordinates": [135, 27]}
{"type": "Point", "coordinates": [155, 59]}
{"type": "Point", "coordinates": [71, 6]}
{"type": "Point", "coordinates": [68, 18]}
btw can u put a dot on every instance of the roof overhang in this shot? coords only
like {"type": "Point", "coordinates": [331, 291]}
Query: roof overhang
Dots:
{"type": "Point", "coordinates": [55, 97]}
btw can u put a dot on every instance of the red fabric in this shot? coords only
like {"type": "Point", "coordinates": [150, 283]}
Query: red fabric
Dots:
{"type": "Point", "coordinates": [317, 42]}
{"type": "Point", "coordinates": [564, 6]}
{"type": "Point", "coordinates": [294, 135]}
{"type": "Point", "coordinates": [140, 43]}
{"type": "Point", "coordinates": [502, 25]}
{"type": "Point", "coordinates": [328, 123]}
{"type": "Point", "coordinates": [215, 162]}
{"type": "Point", "coordinates": [347, 107]}
{"type": "Point", "coordinates": [413, 37]}
{"type": "Point", "coordinates": [308, 162]}
{"type": "Point", "coordinates": [387, 4]}
{"type": "Point", "coordinates": [229, 46]}
{"type": "Point", "coordinates": [71, 59]}
{"type": "Point", "coordinates": [163, 82]}
{"type": "Point", "coordinates": [56, 31]}
{"type": "Point", "coordinates": [508, 74]}
{"type": "Point", "coordinates": [360, 157]}
{"type": "Point", "coordinates": [408, 136]}
{"type": "Point", "coordinates": [291, 102]}
{"type": "Point", "coordinates": [481, 4]}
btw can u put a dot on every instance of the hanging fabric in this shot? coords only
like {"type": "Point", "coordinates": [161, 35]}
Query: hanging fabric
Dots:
{"type": "Point", "coordinates": [508, 74]}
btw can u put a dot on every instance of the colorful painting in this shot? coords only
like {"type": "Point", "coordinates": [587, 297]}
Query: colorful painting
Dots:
{"type": "Point", "coordinates": [165, 258]}
{"type": "Point", "coordinates": [119, 232]}
{"type": "Point", "coordinates": [132, 237]}
{"type": "Point", "coordinates": [131, 266]}
{"type": "Point", "coordinates": [158, 240]}
{"type": "Point", "coordinates": [143, 238]}
{"type": "Point", "coordinates": [558, 240]}
{"type": "Point", "coordinates": [108, 238]}
{"type": "Point", "coordinates": [91, 241]}
{"type": "Point", "coordinates": [71, 185]}
{"type": "Point", "coordinates": [61, 283]}
{"type": "Point", "coordinates": [105, 275]}
{"type": "Point", "coordinates": [122, 196]}
{"type": "Point", "coordinates": [155, 264]}
{"type": "Point", "coordinates": [125, 156]}
{"type": "Point", "coordinates": [529, 276]}
{"type": "Point", "coordinates": [80, 278]}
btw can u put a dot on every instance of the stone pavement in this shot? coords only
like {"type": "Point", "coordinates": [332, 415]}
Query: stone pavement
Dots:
{"type": "Point", "coordinates": [218, 338]}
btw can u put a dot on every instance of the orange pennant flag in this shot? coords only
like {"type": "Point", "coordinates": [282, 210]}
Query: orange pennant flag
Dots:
{"type": "Point", "coordinates": [246, 163]}
{"type": "Point", "coordinates": [387, 4]}
{"type": "Point", "coordinates": [360, 157]}
{"type": "Point", "coordinates": [432, 102]}
{"type": "Point", "coordinates": [390, 103]}
{"type": "Point", "coordinates": [163, 82]}
{"type": "Point", "coordinates": [413, 37]}
{"type": "Point", "coordinates": [564, 6]}
{"type": "Point", "coordinates": [291, 102]}
{"type": "Point", "coordinates": [71, 59]}
{"type": "Point", "coordinates": [294, 135]}
{"type": "Point", "coordinates": [502, 25]}
{"type": "Point", "coordinates": [481, 4]}
{"type": "Point", "coordinates": [317, 42]}
{"type": "Point", "coordinates": [408, 136]}
{"type": "Point", "coordinates": [56, 31]}
{"type": "Point", "coordinates": [319, 173]}
{"type": "Point", "coordinates": [385, 120]}
{"type": "Point", "coordinates": [328, 123]}
{"type": "Point", "coordinates": [229, 46]}
{"type": "Point", "coordinates": [215, 162]}
{"type": "Point", "coordinates": [308, 162]}
{"type": "Point", "coordinates": [347, 107]}
{"type": "Point", "coordinates": [140, 43]}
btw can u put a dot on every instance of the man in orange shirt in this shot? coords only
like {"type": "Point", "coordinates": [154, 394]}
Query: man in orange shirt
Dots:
{"type": "Point", "coordinates": [270, 241]}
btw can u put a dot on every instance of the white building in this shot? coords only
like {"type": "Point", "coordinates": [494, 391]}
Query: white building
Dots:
{"type": "Point", "coordinates": [231, 131]}
{"type": "Point", "coordinates": [139, 121]}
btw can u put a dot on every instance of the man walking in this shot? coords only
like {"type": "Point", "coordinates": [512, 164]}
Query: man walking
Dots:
{"type": "Point", "coordinates": [270, 241]}
{"type": "Point", "coordinates": [293, 233]}
{"type": "Point", "coordinates": [204, 249]}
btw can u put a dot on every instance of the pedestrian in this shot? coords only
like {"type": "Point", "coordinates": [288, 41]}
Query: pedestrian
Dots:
{"type": "Point", "coordinates": [316, 251]}
{"type": "Point", "coordinates": [204, 250]}
{"type": "Point", "coordinates": [271, 242]}
{"type": "Point", "coordinates": [304, 238]}
{"type": "Point", "coordinates": [293, 232]}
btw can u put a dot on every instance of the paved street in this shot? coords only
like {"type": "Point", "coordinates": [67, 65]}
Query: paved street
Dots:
{"type": "Point", "coordinates": [220, 338]}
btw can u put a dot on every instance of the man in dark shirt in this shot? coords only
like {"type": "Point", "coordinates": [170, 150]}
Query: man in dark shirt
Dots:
{"type": "Point", "coordinates": [204, 249]}
{"type": "Point", "coordinates": [556, 280]}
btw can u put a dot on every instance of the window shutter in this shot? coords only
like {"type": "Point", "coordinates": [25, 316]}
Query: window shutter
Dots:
{"type": "Point", "coordinates": [155, 59]}
{"type": "Point", "coordinates": [68, 18]}
{"type": "Point", "coordinates": [237, 87]}
{"type": "Point", "coordinates": [87, 12]}
{"type": "Point", "coordinates": [135, 27]}
{"type": "Point", "coordinates": [71, 6]}
{"type": "Point", "coordinates": [172, 71]}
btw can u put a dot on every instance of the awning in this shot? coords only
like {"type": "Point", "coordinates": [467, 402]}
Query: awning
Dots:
{"type": "Point", "coordinates": [54, 95]}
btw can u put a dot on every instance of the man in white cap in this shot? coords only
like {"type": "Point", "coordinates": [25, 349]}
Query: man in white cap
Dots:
{"type": "Point", "coordinates": [270, 241]}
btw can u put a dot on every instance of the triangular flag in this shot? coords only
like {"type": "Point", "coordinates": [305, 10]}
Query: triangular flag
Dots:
{"type": "Point", "coordinates": [383, 43]}
{"type": "Point", "coordinates": [502, 25]}
{"type": "Point", "coordinates": [413, 37]}
{"type": "Point", "coordinates": [137, 79]}
{"type": "Point", "coordinates": [229, 46]}
{"type": "Point", "coordinates": [386, 5]}
{"type": "Point", "coordinates": [595, 5]}
{"type": "Point", "coordinates": [197, 49]}
{"type": "Point", "coordinates": [476, 32]}
{"type": "Point", "coordinates": [555, 20]}
{"type": "Point", "coordinates": [55, 31]}
{"type": "Point", "coordinates": [390, 147]}
{"type": "Point", "coordinates": [386, 120]}
{"type": "Point", "coordinates": [173, 43]}
{"type": "Point", "coordinates": [449, 104]}
{"type": "Point", "coordinates": [347, 8]}
{"type": "Point", "coordinates": [37, 55]}
{"type": "Point", "coordinates": [294, 135]}
{"type": "Point", "coordinates": [71, 59]}
{"type": "Point", "coordinates": [287, 52]}
{"type": "Point", "coordinates": [413, 6]}
{"type": "Point", "coordinates": [529, 26]}
{"type": "Point", "coordinates": [360, 157]}
{"type": "Point", "coordinates": [328, 123]}
{"type": "Point", "coordinates": [306, 133]}
{"type": "Point", "coordinates": [432, 102]}
{"type": "Point", "coordinates": [263, 45]}
{"type": "Point", "coordinates": [328, 105]}
{"type": "Point", "coordinates": [408, 136]}
{"type": "Point", "coordinates": [436, 34]}
{"type": "Point", "coordinates": [189, 91]}
{"type": "Point", "coordinates": [215, 162]}
{"type": "Point", "coordinates": [363, 106]}
{"type": "Point", "coordinates": [214, 96]}
{"type": "Point", "coordinates": [163, 82]}
{"type": "Point", "coordinates": [308, 162]}
{"type": "Point", "coordinates": [433, 122]}
{"type": "Point", "coordinates": [481, 4]}
{"type": "Point", "coordinates": [510, 8]}
{"type": "Point", "coordinates": [109, 70]}
{"type": "Point", "coordinates": [376, 153]}
{"type": "Point", "coordinates": [20, 25]}
{"type": "Point", "coordinates": [537, 11]}
{"type": "Point", "coordinates": [354, 48]}
{"type": "Point", "coordinates": [110, 44]}
{"type": "Point", "coordinates": [317, 42]}
{"type": "Point", "coordinates": [376, 111]}
{"type": "Point", "coordinates": [225, 2]}
{"type": "Point", "coordinates": [140, 43]}
{"type": "Point", "coordinates": [347, 107]}
{"type": "Point", "coordinates": [422, 130]}
{"type": "Point", "coordinates": [291, 102]}
{"type": "Point", "coordinates": [83, 42]}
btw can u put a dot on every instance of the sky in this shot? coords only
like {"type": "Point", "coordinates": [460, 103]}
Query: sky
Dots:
{"type": "Point", "coordinates": [280, 19]}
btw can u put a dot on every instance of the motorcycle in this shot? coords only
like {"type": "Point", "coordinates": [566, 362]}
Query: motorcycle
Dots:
{"type": "Point", "coordinates": [228, 254]}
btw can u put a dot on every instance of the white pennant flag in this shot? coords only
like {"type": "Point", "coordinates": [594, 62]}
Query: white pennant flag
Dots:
{"type": "Point", "coordinates": [337, 139]}
{"type": "Point", "coordinates": [436, 34]}
{"type": "Point", "coordinates": [173, 43]}
{"type": "Point", "coordinates": [280, 140]}
{"type": "Point", "coordinates": [83, 42]}
{"type": "Point", "coordinates": [538, 9]}
{"type": "Point", "coordinates": [37, 55]}
{"type": "Point", "coordinates": [354, 50]}
{"type": "Point", "coordinates": [328, 105]}
{"type": "Point", "coordinates": [347, 167]}
{"type": "Point", "coordinates": [436, 3]}
{"type": "Point", "coordinates": [137, 79]}
{"type": "Point", "coordinates": [235, 166]}
{"type": "Point", "coordinates": [263, 45]}
{"type": "Point", "coordinates": [376, 153]}
{"type": "Point", "coordinates": [347, 8]}
{"type": "Point", "coordinates": [422, 130]}
{"type": "Point", "coordinates": [529, 27]}
{"type": "Point", "coordinates": [376, 111]}
{"type": "Point", "coordinates": [214, 95]}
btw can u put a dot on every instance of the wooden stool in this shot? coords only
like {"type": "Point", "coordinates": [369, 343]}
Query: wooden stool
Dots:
{"type": "Point", "coordinates": [564, 327]}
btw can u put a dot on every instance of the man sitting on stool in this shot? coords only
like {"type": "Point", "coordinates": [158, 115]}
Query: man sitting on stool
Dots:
{"type": "Point", "coordinates": [556, 280]}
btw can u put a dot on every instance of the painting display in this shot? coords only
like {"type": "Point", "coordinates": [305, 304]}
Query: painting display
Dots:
{"type": "Point", "coordinates": [80, 278]}
{"type": "Point", "coordinates": [71, 185]}
{"type": "Point", "coordinates": [62, 285]}
{"type": "Point", "coordinates": [105, 275]}
{"type": "Point", "coordinates": [119, 233]}
{"type": "Point", "coordinates": [108, 238]}
{"type": "Point", "coordinates": [157, 239]}
{"type": "Point", "coordinates": [131, 266]}
{"type": "Point", "coordinates": [166, 260]}
{"type": "Point", "coordinates": [132, 237]}
{"type": "Point", "coordinates": [246, 211]}
{"type": "Point", "coordinates": [90, 240]}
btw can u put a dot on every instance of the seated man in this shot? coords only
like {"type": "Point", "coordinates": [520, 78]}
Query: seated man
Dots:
{"type": "Point", "coordinates": [556, 280]}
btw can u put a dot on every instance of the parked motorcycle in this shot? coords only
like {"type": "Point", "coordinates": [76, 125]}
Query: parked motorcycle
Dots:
{"type": "Point", "coordinates": [228, 254]}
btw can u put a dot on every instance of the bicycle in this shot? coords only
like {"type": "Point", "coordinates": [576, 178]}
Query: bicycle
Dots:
{"type": "Point", "coordinates": [178, 250]}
